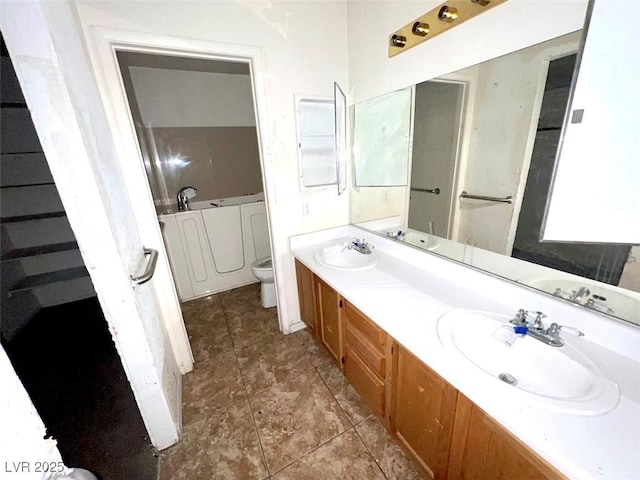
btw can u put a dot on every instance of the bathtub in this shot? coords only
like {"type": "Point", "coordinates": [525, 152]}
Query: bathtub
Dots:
{"type": "Point", "coordinates": [211, 247]}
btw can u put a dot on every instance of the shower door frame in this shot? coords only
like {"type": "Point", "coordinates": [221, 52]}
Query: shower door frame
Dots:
{"type": "Point", "coordinates": [103, 44]}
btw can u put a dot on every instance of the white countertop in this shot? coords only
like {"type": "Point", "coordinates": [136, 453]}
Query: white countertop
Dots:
{"type": "Point", "coordinates": [408, 290]}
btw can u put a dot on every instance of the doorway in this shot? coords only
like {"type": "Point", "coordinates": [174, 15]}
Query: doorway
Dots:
{"type": "Point", "coordinates": [196, 128]}
{"type": "Point", "coordinates": [53, 328]}
{"type": "Point", "coordinates": [437, 129]}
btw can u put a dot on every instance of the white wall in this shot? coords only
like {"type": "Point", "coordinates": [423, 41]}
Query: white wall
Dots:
{"type": "Point", "coordinates": [631, 273]}
{"type": "Point", "coordinates": [166, 98]}
{"type": "Point", "coordinates": [372, 203]}
{"type": "Point", "coordinates": [304, 51]}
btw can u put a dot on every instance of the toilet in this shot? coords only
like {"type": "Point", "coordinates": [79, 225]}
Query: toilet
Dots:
{"type": "Point", "coordinates": [263, 271]}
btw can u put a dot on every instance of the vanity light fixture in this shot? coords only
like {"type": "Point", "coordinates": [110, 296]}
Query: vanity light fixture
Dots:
{"type": "Point", "coordinates": [420, 28]}
{"type": "Point", "coordinates": [436, 21]}
{"type": "Point", "coordinates": [448, 14]}
{"type": "Point", "coordinates": [398, 41]}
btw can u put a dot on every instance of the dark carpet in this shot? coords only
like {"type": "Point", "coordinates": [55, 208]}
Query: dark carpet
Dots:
{"type": "Point", "coordinates": [68, 363]}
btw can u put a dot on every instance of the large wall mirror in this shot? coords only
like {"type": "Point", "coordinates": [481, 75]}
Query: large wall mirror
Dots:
{"type": "Point", "coordinates": [482, 148]}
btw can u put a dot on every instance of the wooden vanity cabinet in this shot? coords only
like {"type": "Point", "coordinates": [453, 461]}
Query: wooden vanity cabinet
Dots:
{"type": "Point", "coordinates": [481, 449]}
{"type": "Point", "coordinates": [423, 412]}
{"type": "Point", "coordinates": [448, 436]}
{"type": "Point", "coordinates": [365, 359]}
{"type": "Point", "coordinates": [329, 306]}
{"type": "Point", "coordinates": [306, 296]}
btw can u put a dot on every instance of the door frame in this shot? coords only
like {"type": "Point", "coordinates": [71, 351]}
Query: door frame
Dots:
{"type": "Point", "coordinates": [102, 44]}
{"type": "Point", "coordinates": [552, 54]}
{"type": "Point", "coordinates": [468, 81]}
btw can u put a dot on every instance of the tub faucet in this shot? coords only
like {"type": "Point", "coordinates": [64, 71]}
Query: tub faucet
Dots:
{"type": "Point", "coordinates": [184, 195]}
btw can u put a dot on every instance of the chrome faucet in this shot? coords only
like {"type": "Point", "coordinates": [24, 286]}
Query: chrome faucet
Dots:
{"type": "Point", "coordinates": [580, 294]}
{"type": "Point", "coordinates": [575, 296]}
{"type": "Point", "coordinates": [360, 246]}
{"type": "Point", "coordinates": [184, 195]}
{"type": "Point", "coordinates": [535, 328]}
{"type": "Point", "coordinates": [399, 235]}
{"type": "Point", "coordinates": [583, 297]}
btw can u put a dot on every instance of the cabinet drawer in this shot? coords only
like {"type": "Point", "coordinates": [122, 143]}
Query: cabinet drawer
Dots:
{"type": "Point", "coordinates": [374, 358]}
{"type": "Point", "coordinates": [366, 383]}
{"type": "Point", "coordinates": [369, 329]}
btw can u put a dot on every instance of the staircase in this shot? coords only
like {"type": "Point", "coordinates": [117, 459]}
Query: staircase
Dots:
{"type": "Point", "coordinates": [40, 261]}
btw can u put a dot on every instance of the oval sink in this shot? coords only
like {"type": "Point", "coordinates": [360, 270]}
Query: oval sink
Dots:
{"type": "Point", "coordinates": [422, 240]}
{"type": "Point", "coordinates": [563, 378]}
{"type": "Point", "coordinates": [340, 258]}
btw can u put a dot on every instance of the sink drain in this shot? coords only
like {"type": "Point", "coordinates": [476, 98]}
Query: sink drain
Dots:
{"type": "Point", "coordinates": [507, 378]}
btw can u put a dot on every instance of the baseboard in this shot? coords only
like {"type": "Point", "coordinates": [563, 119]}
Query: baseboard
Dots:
{"type": "Point", "coordinates": [297, 326]}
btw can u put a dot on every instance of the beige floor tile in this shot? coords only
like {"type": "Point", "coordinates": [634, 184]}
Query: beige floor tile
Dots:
{"type": "Point", "coordinates": [240, 300]}
{"type": "Point", "coordinates": [296, 416]}
{"type": "Point", "coordinates": [350, 401]}
{"type": "Point", "coordinates": [212, 385]}
{"type": "Point", "coordinates": [253, 327]}
{"type": "Point", "coordinates": [222, 446]}
{"type": "Point", "coordinates": [316, 354]}
{"type": "Point", "coordinates": [266, 363]}
{"type": "Point", "coordinates": [201, 308]}
{"type": "Point", "coordinates": [388, 454]}
{"type": "Point", "coordinates": [345, 457]}
{"type": "Point", "coordinates": [248, 321]}
{"type": "Point", "coordinates": [209, 338]}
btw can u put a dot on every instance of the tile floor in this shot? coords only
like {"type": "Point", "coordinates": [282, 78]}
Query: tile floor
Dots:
{"type": "Point", "coordinates": [260, 404]}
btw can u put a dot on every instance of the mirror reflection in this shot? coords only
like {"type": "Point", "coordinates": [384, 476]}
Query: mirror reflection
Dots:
{"type": "Point", "coordinates": [483, 142]}
{"type": "Point", "coordinates": [381, 130]}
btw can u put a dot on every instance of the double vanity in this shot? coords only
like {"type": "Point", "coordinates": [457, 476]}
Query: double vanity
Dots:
{"type": "Point", "coordinates": [431, 346]}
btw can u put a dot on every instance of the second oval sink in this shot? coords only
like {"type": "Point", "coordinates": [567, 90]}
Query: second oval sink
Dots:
{"type": "Point", "coordinates": [564, 378]}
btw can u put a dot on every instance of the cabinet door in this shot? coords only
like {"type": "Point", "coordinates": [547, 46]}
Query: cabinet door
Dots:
{"type": "Point", "coordinates": [369, 385]}
{"type": "Point", "coordinates": [483, 450]}
{"type": "Point", "coordinates": [423, 412]}
{"type": "Point", "coordinates": [597, 167]}
{"type": "Point", "coordinates": [306, 296]}
{"type": "Point", "coordinates": [329, 318]}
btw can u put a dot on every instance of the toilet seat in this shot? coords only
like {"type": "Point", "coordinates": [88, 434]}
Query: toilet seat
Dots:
{"type": "Point", "coordinates": [264, 263]}
{"type": "Point", "coordinates": [263, 271]}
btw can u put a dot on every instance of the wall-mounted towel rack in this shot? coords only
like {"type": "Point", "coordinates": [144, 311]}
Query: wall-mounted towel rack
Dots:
{"type": "Point", "coordinates": [426, 190]}
{"type": "Point", "coordinates": [508, 199]}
